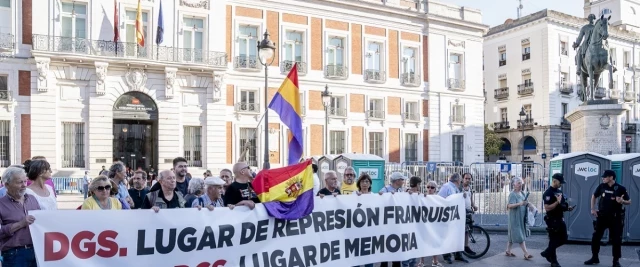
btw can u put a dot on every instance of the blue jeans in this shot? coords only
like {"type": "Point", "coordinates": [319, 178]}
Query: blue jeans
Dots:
{"type": "Point", "coordinates": [19, 257]}
{"type": "Point", "coordinates": [410, 263]}
{"type": "Point", "coordinates": [85, 190]}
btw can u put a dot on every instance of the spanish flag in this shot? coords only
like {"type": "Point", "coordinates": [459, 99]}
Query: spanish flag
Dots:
{"type": "Point", "coordinates": [286, 102]}
{"type": "Point", "coordinates": [139, 29]}
{"type": "Point", "coordinates": [287, 193]}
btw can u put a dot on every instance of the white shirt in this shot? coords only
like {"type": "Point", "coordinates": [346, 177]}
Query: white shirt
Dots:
{"type": "Point", "coordinates": [316, 184]}
{"type": "Point", "coordinates": [467, 198]}
{"type": "Point", "coordinates": [46, 203]}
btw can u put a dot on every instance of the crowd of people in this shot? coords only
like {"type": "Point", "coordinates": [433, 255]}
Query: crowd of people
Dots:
{"type": "Point", "coordinates": [29, 187]}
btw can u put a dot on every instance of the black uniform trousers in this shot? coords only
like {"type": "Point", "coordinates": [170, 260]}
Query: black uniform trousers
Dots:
{"type": "Point", "coordinates": [615, 224]}
{"type": "Point", "coordinates": [557, 230]}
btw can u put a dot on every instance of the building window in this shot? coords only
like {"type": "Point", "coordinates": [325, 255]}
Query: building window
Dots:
{"type": "Point", "coordinates": [527, 110]}
{"type": "Point", "coordinates": [73, 145]}
{"type": "Point", "coordinates": [74, 28]}
{"type": "Point", "coordinates": [502, 59]}
{"type": "Point", "coordinates": [376, 109]}
{"type": "Point", "coordinates": [503, 83]}
{"type": "Point", "coordinates": [564, 48]}
{"type": "Point", "coordinates": [338, 107]}
{"type": "Point", "coordinates": [526, 52]}
{"type": "Point", "coordinates": [193, 39]}
{"type": "Point", "coordinates": [564, 80]}
{"type": "Point", "coordinates": [294, 46]}
{"type": "Point", "coordinates": [248, 101]}
{"type": "Point", "coordinates": [247, 47]}
{"type": "Point", "coordinates": [627, 87]}
{"type": "Point", "coordinates": [5, 21]}
{"type": "Point", "coordinates": [5, 147]}
{"type": "Point", "coordinates": [504, 116]}
{"type": "Point", "coordinates": [457, 148]}
{"type": "Point", "coordinates": [337, 145]}
{"type": "Point", "coordinates": [130, 24]}
{"type": "Point", "coordinates": [335, 58]}
{"type": "Point", "coordinates": [193, 145]}
{"type": "Point", "coordinates": [411, 147]}
{"type": "Point", "coordinates": [565, 109]}
{"type": "Point", "coordinates": [456, 71]}
{"type": "Point", "coordinates": [409, 60]}
{"type": "Point", "coordinates": [612, 54]}
{"type": "Point", "coordinates": [411, 111]}
{"type": "Point", "coordinates": [565, 143]}
{"type": "Point", "coordinates": [374, 63]}
{"type": "Point", "coordinates": [376, 144]}
{"type": "Point", "coordinates": [5, 3]}
{"type": "Point", "coordinates": [249, 135]}
{"type": "Point", "coordinates": [626, 60]}
{"type": "Point", "coordinates": [457, 113]}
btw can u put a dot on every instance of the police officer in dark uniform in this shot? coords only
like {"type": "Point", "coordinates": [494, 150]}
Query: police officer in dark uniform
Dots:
{"type": "Point", "coordinates": [609, 215]}
{"type": "Point", "coordinates": [555, 205]}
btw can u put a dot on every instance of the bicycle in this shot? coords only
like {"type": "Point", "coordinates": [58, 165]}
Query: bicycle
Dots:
{"type": "Point", "coordinates": [476, 235]}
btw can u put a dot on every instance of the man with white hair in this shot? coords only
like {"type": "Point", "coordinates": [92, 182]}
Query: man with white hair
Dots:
{"type": "Point", "coordinates": [396, 183]}
{"type": "Point", "coordinates": [349, 184]}
{"type": "Point", "coordinates": [331, 184]}
{"type": "Point", "coordinates": [213, 194]}
{"type": "Point", "coordinates": [451, 188]}
{"type": "Point", "coordinates": [167, 197]}
{"type": "Point", "coordinates": [17, 245]}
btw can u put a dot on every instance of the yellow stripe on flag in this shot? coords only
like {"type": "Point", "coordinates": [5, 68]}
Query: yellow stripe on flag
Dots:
{"type": "Point", "coordinates": [278, 192]}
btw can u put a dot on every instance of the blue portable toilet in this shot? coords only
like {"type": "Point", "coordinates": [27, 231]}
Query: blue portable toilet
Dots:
{"type": "Point", "coordinates": [363, 163]}
{"type": "Point", "coordinates": [325, 163]}
{"type": "Point", "coordinates": [581, 171]}
{"type": "Point", "coordinates": [627, 169]}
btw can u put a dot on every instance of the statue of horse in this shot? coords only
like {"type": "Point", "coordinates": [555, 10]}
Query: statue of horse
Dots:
{"type": "Point", "coordinates": [596, 58]}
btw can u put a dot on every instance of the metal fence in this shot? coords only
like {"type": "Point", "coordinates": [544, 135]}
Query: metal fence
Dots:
{"type": "Point", "coordinates": [491, 185]}
{"type": "Point", "coordinates": [67, 184]}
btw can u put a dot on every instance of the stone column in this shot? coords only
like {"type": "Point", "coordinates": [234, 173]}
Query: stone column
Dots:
{"type": "Point", "coordinates": [597, 128]}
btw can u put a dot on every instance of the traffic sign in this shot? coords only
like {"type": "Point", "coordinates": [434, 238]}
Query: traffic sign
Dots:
{"type": "Point", "coordinates": [431, 166]}
{"type": "Point", "coordinates": [505, 167]}
{"type": "Point", "coordinates": [544, 155]}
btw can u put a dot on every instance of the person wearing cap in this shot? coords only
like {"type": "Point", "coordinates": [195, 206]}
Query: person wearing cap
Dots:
{"type": "Point", "coordinates": [555, 205]}
{"type": "Point", "coordinates": [609, 215]}
{"type": "Point", "coordinates": [451, 188]}
{"type": "Point", "coordinates": [213, 196]}
{"type": "Point", "coordinates": [396, 183]}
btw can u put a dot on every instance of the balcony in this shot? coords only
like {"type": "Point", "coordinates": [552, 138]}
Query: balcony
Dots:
{"type": "Point", "coordinates": [121, 50]}
{"type": "Point", "coordinates": [526, 123]}
{"type": "Point", "coordinates": [5, 95]}
{"type": "Point", "coordinates": [287, 65]}
{"type": "Point", "coordinates": [250, 63]}
{"type": "Point", "coordinates": [565, 124]}
{"type": "Point", "coordinates": [500, 127]}
{"type": "Point", "coordinates": [337, 112]}
{"type": "Point", "coordinates": [455, 84]}
{"type": "Point", "coordinates": [565, 89]}
{"type": "Point", "coordinates": [564, 52]}
{"type": "Point", "coordinates": [410, 79]}
{"type": "Point", "coordinates": [525, 89]}
{"type": "Point", "coordinates": [375, 114]}
{"type": "Point", "coordinates": [502, 63]}
{"type": "Point", "coordinates": [6, 42]}
{"type": "Point", "coordinates": [246, 107]}
{"type": "Point", "coordinates": [501, 93]}
{"type": "Point", "coordinates": [629, 96]}
{"type": "Point", "coordinates": [374, 76]}
{"type": "Point", "coordinates": [629, 128]}
{"type": "Point", "coordinates": [526, 56]}
{"type": "Point", "coordinates": [336, 72]}
{"type": "Point", "coordinates": [411, 116]}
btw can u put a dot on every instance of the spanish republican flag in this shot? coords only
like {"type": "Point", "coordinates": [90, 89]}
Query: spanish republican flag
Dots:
{"type": "Point", "coordinates": [286, 102]}
{"type": "Point", "coordinates": [139, 29]}
{"type": "Point", "coordinates": [287, 193]}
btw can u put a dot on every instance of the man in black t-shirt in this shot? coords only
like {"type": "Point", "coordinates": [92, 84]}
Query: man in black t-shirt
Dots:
{"type": "Point", "coordinates": [240, 192]}
{"type": "Point", "coordinates": [331, 185]}
{"type": "Point", "coordinates": [609, 215]}
{"type": "Point", "coordinates": [555, 205]}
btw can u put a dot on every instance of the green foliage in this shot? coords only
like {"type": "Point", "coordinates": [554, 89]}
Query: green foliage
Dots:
{"type": "Point", "coordinates": [492, 142]}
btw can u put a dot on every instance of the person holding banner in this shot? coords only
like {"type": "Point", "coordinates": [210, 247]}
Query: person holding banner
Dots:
{"type": "Point", "coordinates": [39, 171]}
{"type": "Point", "coordinates": [431, 191]}
{"type": "Point", "coordinates": [100, 198]}
{"type": "Point", "coordinates": [363, 184]}
{"type": "Point", "coordinates": [240, 192]}
{"type": "Point", "coordinates": [397, 182]}
{"type": "Point", "coordinates": [349, 185]}
{"type": "Point", "coordinates": [213, 196]}
{"type": "Point", "coordinates": [15, 239]}
{"type": "Point", "coordinates": [331, 185]}
{"type": "Point", "coordinates": [167, 197]}
{"type": "Point", "coordinates": [451, 188]}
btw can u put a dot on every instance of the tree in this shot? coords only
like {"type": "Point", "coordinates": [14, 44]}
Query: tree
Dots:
{"type": "Point", "coordinates": [492, 142]}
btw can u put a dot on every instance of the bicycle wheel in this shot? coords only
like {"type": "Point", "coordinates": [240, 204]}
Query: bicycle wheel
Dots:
{"type": "Point", "coordinates": [479, 242]}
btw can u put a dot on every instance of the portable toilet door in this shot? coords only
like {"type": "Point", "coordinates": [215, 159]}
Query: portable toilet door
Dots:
{"type": "Point", "coordinates": [627, 169]}
{"type": "Point", "coordinates": [340, 163]}
{"type": "Point", "coordinates": [375, 169]}
{"type": "Point", "coordinates": [581, 173]}
{"type": "Point", "coordinates": [325, 163]}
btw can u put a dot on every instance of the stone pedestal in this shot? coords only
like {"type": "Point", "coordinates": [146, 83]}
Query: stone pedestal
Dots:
{"type": "Point", "coordinates": [596, 127]}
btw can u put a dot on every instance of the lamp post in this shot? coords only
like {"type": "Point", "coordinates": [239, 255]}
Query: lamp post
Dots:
{"type": "Point", "coordinates": [266, 49]}
{"type": "Point", "coordinates": [326, 102]}
{"type": "Point", "coordinates": [522, 114]}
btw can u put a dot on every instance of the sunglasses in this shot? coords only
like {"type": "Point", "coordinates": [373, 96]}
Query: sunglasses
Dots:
{"type": "Point", "coordinates": [102, 188]}
{"type": "Point", "coordinates": [349, 175]}
{"type": "Point", "coordinates": [431, 187]}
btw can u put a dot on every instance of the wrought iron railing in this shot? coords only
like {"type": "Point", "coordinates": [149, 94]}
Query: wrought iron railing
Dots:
{"type": "Point", "coordinates": [336, 71]}
{"type": "Point", "coordinates": [502, 63]}
{"type": "Point", "coordinates": [525, 89]}
{"type": "Point", "coordinates": [375, 114]}
{"type": "Point", "coordinates": [566, 88]}
{"type": "Point", "coordinates": [285, 67]}
{"type": "Point", "coordinates": [501, 93]}
{"type": "Point", "coordinates": [565, 123]}
{"type": "Point", "coordinates": [501, 126]}
{"type": "Point", "coordinates": [375, 76]}
{"type": "Point", "coordinates": [564, 52]}
{"type": "Point", "coordinates": [247, 63]}
{"type": "Point", "coordinates": [456, 84]}
{"type": "Point", "coordinates": [247, 107]}
{"type": "Point", "coordinates": [526, 123]}
{"type": "Point", "coordinates": [411, 116]}
{"type": "Point", "coordinates": [5, 95]}
{"type": "Point", "coordinates": [103, 48]}
{"type": "Point", "coordinates": [7, 41]}
{"type": "Point", "coordinates": [337, 112]}
{"type": "Point", "coordinates": [629, 128]}
{"type": "Point", "coordinates": [526, 56]}
{"type": "Point", "coordinates": [410, 79]}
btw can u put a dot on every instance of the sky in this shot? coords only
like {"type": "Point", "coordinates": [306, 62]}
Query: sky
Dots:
{"type": "Point", "coordinates": [495, 12]}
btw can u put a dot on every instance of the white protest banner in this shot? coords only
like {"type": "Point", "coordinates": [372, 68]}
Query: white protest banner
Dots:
{"type": "Point", "coordinates": [342, 231]}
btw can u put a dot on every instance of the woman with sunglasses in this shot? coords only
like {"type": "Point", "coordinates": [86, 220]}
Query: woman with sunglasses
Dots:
{"type": "Point", "coordinates": [101, 199]}
{"type": "Point", "coordinates": [431, 190]}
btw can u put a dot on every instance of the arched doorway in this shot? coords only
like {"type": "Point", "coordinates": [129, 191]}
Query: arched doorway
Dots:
{"type": "Point", "coordinates": [135, 131]}
{"type": "Point", "coordinates": [529, 144]}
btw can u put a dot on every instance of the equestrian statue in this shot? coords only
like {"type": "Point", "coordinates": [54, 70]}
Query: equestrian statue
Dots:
{"type": "Point", "coordinates": [592, 57]}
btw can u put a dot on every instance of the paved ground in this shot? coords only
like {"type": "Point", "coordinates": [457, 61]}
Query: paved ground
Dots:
{"type": "Point", "coordinates": [571, 255]}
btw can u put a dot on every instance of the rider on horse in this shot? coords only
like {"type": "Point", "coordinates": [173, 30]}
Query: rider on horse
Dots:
{"type": "Point", "coordinates": [586, 33]}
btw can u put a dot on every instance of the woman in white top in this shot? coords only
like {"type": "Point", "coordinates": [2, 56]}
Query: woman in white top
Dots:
{"type": "Point", "coordinates": [39, 171]}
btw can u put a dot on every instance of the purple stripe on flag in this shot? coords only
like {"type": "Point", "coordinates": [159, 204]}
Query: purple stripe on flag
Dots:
{"type": "Point", "coordinates": [299, 208]}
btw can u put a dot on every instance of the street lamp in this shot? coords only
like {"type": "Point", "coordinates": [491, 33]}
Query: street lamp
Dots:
{"type": "Point", "coordinates": [326, 102]}
{"type": "Point", "coordinates": [522, 114]}
{"type": "Point", "coordinates": [266, 49]}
